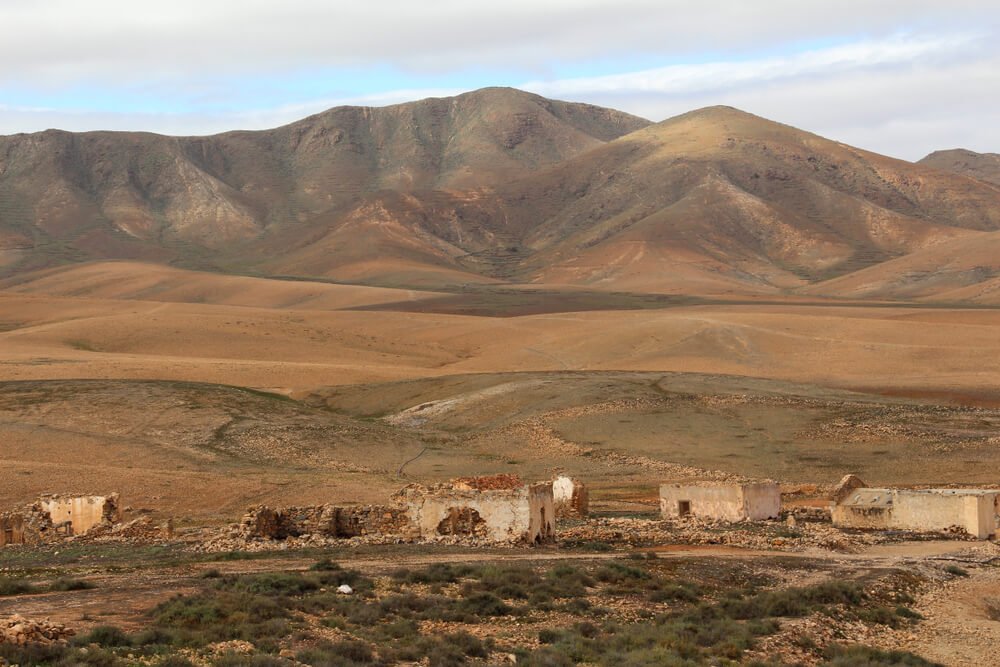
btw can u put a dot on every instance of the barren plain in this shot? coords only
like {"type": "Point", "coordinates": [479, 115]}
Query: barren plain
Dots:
{"type": "Point", "coordinates": [712, 297]}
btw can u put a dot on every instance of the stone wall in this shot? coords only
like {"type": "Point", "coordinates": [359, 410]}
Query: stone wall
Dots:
{"type": "Point", "coordinates": [571, 498]}
{"type": "Point", "coordinates": [971, 510]}
{"type": "Point", "coordinates": [76, 515]}
{"type": "Point", "coordinates": [324, 520]}
{"type": "Point", "coordinates": [523, 514]}
{"type": "Point", "coordinates": [728, 502]}
{"type": "Point", "coordinates": [29, 525]}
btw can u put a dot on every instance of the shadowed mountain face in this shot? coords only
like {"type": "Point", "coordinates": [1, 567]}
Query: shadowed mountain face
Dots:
{"type": "Point", "coordinates": [984, 166]}
{"type": "Point", "coordinates": [66, 197]}
{"type": "Point", "coordinates": [500, 185]}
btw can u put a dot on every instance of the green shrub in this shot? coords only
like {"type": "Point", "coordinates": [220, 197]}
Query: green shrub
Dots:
{"type": "Point", "coordinates": [865, 656]}
{"type": "Point", "coordinates": [68, 584]}
{"type": "Point", "coordinates": [324, 565]}
{"type": "Point", "coordinates": [13, 586]}
{"type": "Point", "coordinates": [107, 636]}
{"type": "Point", "coordinates": [956, 571]}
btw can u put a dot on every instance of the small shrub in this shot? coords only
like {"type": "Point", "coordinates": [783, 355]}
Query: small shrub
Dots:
{"type": "Point", "coordinates": [211, 574]}
{"type": "Point", "coordinates": [12, 586]}
{"type": "Point", "coordinates": [484, 605]}
{"type": "Point", "coordinates": [106, 636]}
{"type": "Point", "coordinates": [615, 573]}
{"type": "Point", "coordinates": [956, 571]}
{"type": "Point", "coordinates": [906, 612]}
{"type": "Point", "coordinates": [68, 584]}
{"type": "Point", "coordinates": [324, 565]}
{"type": "Point", "coordinates": [865, 656]}
{"type": "Point", "coordinates": [175, 661]}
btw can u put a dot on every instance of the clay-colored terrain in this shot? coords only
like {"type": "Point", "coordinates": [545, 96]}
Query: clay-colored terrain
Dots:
{"type": "Point", "coordinates": [499, 283]}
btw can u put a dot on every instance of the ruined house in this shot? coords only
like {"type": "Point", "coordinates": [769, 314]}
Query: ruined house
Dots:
{"type": "Point", "coordinates": [724, 501]}
{"type": "Point", "coordinates": [325, 521]}
{"type": "Point", "coordinates": [974, 511]}
{"type": "Point", "coordinates": [29, 525]}
{"type": "Point", "coordinates": [497, 508]}
{"type": "Point", "coordinates": [78, 514]}
{"type": "Point", "coordinates": [570, 497]}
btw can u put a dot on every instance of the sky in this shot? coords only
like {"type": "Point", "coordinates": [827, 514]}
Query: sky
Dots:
{"type": "Point", "coordinates": [901, 77]}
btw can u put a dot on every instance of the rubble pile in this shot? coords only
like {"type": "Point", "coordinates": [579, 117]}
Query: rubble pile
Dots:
{"type": "Point", "coordinates": [137, 531]}
{"type": "Point", "coordinates": [329, 521]}
{"type": "Point", "coordinates": [29, 525]}
{"type": "Point", "coordinates": [805, 535]}
{"type": "Point", "coordinates": [19, 630]}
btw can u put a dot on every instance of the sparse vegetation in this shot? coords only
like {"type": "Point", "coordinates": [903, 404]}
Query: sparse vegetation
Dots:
{"type": "Point", "coordinates": [673, 620]}
{"type": "Point", "coordinates": [14, 586]}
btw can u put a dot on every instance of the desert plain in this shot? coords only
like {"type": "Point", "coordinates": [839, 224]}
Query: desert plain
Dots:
{"type": "Point", "coordinates": [699, 331]}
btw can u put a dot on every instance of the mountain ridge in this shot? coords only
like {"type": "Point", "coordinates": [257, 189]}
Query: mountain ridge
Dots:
{"type": "Point", "coordinates": [495, 185]}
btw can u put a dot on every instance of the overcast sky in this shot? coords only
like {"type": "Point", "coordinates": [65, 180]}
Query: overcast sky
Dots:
{"type": "Point", "coordinates": [902, 77]}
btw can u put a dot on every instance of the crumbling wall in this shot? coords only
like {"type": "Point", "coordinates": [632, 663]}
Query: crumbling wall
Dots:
{"type": "Point", "coordinates": [571, 498]}
{"type": "Point", "coordinates": [727, 502]}
{"type": "Point", "coordinates": [523, 514]}
{"type": "Point", "coordinates": [855, 516]}
{"type": "Point", "coordinates": [323, 520]}
{"type": "Point", "coordinates": [11, 528]}
{"type": "Point", "coordinates": [77, 515]}
{"type": "Point", "coordinates": [541, 505]}
{"type": "Point", "coordinates": [847, 484]}
{"type": "Point", "coordinates": [29, 525]}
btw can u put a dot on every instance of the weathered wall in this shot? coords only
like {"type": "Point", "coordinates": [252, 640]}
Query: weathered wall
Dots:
{"type": "Point", "coordinates": [923, 510]}
{"type": "Point", "coordinates": [325, 520]}
{"type": "Point", "coordinates": [939, 510]}
{"type": "Point", "coordinates": [525, 514]}
{"type": "Point", "coordinates": [762, 501]}
{"type": "Point", "coordinates": [870, 518]}
{"type": "Point", "coordinates": [541, 505]}
{"type": "Point", "coordinates": [728, 502]}
{"type": "Point", "coordinates": [29, 525]}
{"type": "Point", "coordinates": [82, 513]}
{"type": "Point", "coordinates": [571, 497]}
{"type": "Point", "coordinates": [11, 529]}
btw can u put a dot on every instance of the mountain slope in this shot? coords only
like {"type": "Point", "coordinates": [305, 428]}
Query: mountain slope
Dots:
{"type": "Point", "coordinates": [67, 197]}
{"type": "Point", "coordinates": [501, 185]}
{"type": "Point", "coordinates": [984, 166]}
{"type": "Point", "coordinates": [727, 197]}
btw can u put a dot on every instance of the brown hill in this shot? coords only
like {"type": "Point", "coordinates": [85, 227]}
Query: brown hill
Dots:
{"type": "Point", "coordinates": [721, 197]}
{"type": "Point", "coordinates": [500, 186]}
{"type": "Point", "coordinates": [984, 166]}
{"type": "Point", "coordinates": [66, 197]}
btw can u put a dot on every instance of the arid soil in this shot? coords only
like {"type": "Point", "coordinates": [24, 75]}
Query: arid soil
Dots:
{"type": "Point", "coordinates": [196, 395]}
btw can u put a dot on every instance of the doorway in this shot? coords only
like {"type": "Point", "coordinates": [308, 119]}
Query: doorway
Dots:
{"type": "Point", "coordinates": [683, 507]}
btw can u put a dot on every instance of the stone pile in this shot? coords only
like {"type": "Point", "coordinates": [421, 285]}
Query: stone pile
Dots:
{"type": "Point", "coordinates": [19, 630]}
{"type": "Point", "coordinates": [640, 533]}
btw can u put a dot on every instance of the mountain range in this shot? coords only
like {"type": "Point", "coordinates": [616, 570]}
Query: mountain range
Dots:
{"type": "Point", "coordinates": [503, 186]}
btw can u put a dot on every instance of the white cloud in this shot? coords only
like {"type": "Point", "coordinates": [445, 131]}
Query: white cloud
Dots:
{"type": "Point", "coordinates": [67, 41]}
{"type": "Point", "coordinates": [917, 75]}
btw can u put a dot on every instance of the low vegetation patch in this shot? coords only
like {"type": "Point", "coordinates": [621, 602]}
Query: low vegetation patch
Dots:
{"type": "Point", "coordinates": [620, 612]}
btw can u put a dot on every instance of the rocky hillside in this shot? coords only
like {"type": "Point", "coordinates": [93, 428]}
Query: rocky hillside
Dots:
{"type": "Point", "coordinates": [499, 185]}
{"type": "Point", "coordinates": [984, 166]}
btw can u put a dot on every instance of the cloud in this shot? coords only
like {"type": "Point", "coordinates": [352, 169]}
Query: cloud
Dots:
{"type": "Point", "coordinates": [60, 42]}
{"type": "Point", "coordinates": [901, 77]}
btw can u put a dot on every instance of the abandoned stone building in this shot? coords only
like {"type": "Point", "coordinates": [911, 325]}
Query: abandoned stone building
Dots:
{"type": "Point", "coordinates": [54, 517]}
{"type": "Point", "coordinates": [975, 511]}
{"type": "Point", "coordinates": [571, 498]}
{"type": "Point", "coordinates": [497, 508]}
{"type": "Point", "coordinates": [75, 515]}
{"type": "Point", "coordinates": [727, 502]}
